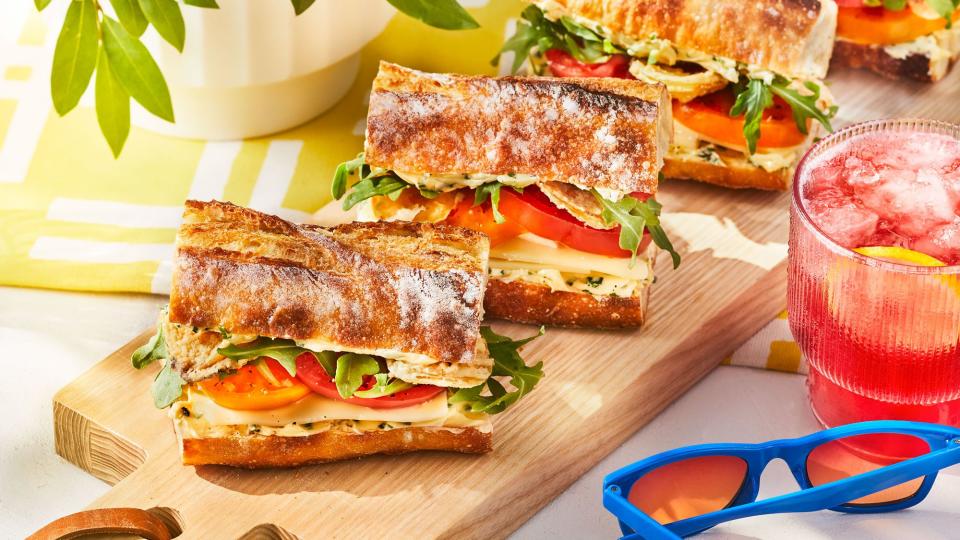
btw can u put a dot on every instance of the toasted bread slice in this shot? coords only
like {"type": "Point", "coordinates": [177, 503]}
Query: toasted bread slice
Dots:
{"type": "Point", "coordinates": [792, 38]}
{"type": "Point", "coordinates": [238, 447]}
{"type": "Point", "coordinates": [409, 292]}
{"type": "Point", "coordinates": [734, 172]}
{"type": "Point", "coordinates": [927, 59]}
{"type": "Point", "coordinates": [532, 303]}
{"type": "Point", "coordinates": [604, 133]}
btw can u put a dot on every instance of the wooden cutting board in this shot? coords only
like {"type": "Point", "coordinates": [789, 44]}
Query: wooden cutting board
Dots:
{"type": "Point", "coordinates": [599, 388]}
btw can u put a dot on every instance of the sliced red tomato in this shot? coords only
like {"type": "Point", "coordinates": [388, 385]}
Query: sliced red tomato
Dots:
{"type": "Point", "coordinates": [317, 379]}
{"type": "Point", "coordinates": [710, 116]}
{"type": "Point", "coordinates": [876, 25]}
{"type": "Point", "coordinates": [249, 389]}
{"type": "Point", "coordinates": [563, 64]}
{"type": "Point", "coordinates": [480, 218]}
{"type": "Point", "coordinates": [533, 211]}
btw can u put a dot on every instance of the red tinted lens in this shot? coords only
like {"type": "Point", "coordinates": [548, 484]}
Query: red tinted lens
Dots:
{"type": "Point", "coordinates": [850, 456]}
{"type": "Point", "coordinates": [689, 488]}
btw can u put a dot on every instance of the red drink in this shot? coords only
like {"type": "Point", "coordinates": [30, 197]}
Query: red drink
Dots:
{"type": "Point", "coordinates": [880, 333]}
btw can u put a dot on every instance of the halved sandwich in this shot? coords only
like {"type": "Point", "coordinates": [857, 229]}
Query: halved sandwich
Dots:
{"type": "Point", "coordinates": [288, 344]}
{"type": "Point", "coordinates": [560, 174]}
{"type": "Point", "coordinates": [898, 39]}
{"type": "Point", "coordinates": [745, 75]}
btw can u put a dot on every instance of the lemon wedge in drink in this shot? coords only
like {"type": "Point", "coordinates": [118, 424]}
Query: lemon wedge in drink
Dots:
{"type": "Point", "coordinates": [899, 255]}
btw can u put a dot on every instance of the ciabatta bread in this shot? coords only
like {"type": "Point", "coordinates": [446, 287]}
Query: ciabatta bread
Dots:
{"type": "Point", "coordinates": [927, 59]}
{"type": "Point", "coordinates": [790, 37]}
{"type": "Point", "coordinates": [735, 172]}
{"type": "Point", "coordinates": [410, 292]}
{"type": "Point", "coordinates": [604, 133]}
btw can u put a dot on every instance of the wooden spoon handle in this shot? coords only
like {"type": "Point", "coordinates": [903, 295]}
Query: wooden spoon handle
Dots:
{"type": "Point", "coordinates": [104, 521]}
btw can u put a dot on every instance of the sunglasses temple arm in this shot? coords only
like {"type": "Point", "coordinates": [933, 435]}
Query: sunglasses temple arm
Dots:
{"type": "Point", "coordinates": [644, 526]}
{"type": "Point", "coordinates": [829, 495]}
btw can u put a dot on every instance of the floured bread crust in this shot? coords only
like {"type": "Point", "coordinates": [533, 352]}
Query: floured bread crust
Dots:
{"type": "Point", "coordinates": [407, 291]}
{"type": "Point", "coordinates": [790, 37]}
{"type": "Point", "coordinates": [607, 133]}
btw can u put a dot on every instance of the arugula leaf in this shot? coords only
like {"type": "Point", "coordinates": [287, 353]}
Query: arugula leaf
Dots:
{"type": "Point", "coordinates": [506, 363]}
{"type": "Point", "coordinates": [327, 359]}
{"type": "Point", "coordinates": [75, 55]}
{"type": "Point", "coordinates": [339, 185]}
{"type": "Point", "coordinates": [378, 182]}
{"type": "Point", "coordinates": [385, 386]}
{"type": "Point", "coordinates": [752, 99]}
{"type": "Point", "coordinates": [167, 387]}
{"type": "Point", "coordinates": [633, 216]}
{"type": "Point", "coordinates": [491, 190]}
{"type": "Point", "coordinates": [154, 349]}
{"type": "Point", "coordinates": [284, 351]}
{"type": "Point", "coordinates": [444, 14]}
{"type": "Point", "coordinates": [536, 33]}
{"type": "Point", "coordinates": [351, 368]}
{"type": "Point", "coordinates": [803, 107]}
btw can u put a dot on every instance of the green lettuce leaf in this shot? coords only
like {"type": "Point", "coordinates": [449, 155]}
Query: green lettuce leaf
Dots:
{"type": "Point", "coordinates": [385, 386]}
{"type": "Point", "coordinates": [506, 363]}
{"type": "Point", "coordinates": [351, 369]}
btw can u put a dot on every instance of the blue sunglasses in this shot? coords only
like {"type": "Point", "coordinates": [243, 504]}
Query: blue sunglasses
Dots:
{"type": "Point", "coordinates": [867, 467]}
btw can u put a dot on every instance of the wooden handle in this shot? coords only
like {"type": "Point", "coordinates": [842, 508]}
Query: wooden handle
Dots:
{"type": "Point", "coordinates": [105, 521]}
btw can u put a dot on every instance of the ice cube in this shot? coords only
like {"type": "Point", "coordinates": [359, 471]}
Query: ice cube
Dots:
{"type": "Point", "coordinates": [913, 201]}
{"type": "Point", "coordinates": [843, 221]}
{"type": "Point", "coordinates": [941, 242]}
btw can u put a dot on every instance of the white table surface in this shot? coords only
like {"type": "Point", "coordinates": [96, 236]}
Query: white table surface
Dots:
{"type": "Point", "coordinates": [48, 338]}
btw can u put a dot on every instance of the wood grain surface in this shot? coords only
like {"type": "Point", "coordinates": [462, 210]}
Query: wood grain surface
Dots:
{"type": "Point", "coordinates": [599, 388]}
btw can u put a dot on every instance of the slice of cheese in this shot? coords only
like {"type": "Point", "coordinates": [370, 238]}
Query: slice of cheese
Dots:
{"type": "Point", "coordinates": [313, 408]}
{"type": "Point", "coordinates": [532, 252]}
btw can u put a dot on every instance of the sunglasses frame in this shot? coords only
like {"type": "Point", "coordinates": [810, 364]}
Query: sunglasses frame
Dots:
{"type": "Point", "coordinates": [944, 444]}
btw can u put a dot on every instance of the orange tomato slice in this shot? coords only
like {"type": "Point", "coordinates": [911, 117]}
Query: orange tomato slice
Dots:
{"type": "Point", "coordinates": [255, 387]}
{"type": "Point", "coordinates": [480, 218]}
{"type": "Point", "coordinates": [879, 26]}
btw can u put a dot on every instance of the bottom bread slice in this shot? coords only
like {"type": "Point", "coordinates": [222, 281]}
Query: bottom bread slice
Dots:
{"type": "Point", "coordinates": [532, 303]}
{"type": "Point", "coordinates": [241, 448]}
{"type": "Point", "coordinates": [928, 60]}
{"type": "Point", "coordinates": [735, 172]}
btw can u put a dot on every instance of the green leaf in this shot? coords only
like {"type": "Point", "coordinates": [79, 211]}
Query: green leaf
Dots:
{"type": "Point", "coordinates": [136, 70]}
{"type": "Point", "coordinates": [154, 349]}
{"type": "Point", "coordinates": [351, 369]}
{"type": "Point", "coordinates": [752, 99]}
{"type": "Point", "coordinates": [210, 4]}
{"type": "Point", "coordinates": [40, 4]}
{"type": "Point", "coordinates": [339, 185]}
{"type": "Point", "coordinates": [634, 216]}
{"type": "Point", "coordinates": [445, 14]}
{"type": "Point", "coordinates": [379, 182]}
{"type": "Point", "coordinates": [113, 107]}
{"type": "Point", "coordinates": [507, 362]}
{"type": "Point", "coordinates": [327, 359]}
{"type": "Point", "coordinates": [945, 8]}
{"type": "Point", "coordinates": [130, 15]}
{"type": "Point", "coordinates": [803, 107]}
{"type": "Point", "coordinates": [299, 6]}
{"type": "Point", "coordinates": [75, 55]}
{"type": "Point", "coordinates": [537, 33]}
{"type": "Point", "coordinates": [385, 386]}
{"type": "Point", "coordinates": [167, 387]}
{"type": "Point", "coordinates": [165, 16]}
{"type": "Point", "coordinates": [284, 351]}
{"type": "Point", "coordinates": [491, 190]}
{"type": "Point", "coordinates": [893, 5]}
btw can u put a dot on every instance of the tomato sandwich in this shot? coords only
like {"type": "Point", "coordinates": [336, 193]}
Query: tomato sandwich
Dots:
{"type": "Point", "coordinates": [287, 344]}
{"type": "Point", "coordinates": [745, 76]}
{"type": "Point", "coordinates": [559, 174]}
{"type": "Point", "coordinates": [909, 39]}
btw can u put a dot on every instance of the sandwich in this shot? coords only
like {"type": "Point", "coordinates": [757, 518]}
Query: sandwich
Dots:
{"type": "Point", "coordinates": [898, 39]}
{"type": "Point", "coordinates": [289, 344]}
{"type": "Point", "coordinates": [745, 76]}
{"type": "Point", "coordinates": [559, 174]}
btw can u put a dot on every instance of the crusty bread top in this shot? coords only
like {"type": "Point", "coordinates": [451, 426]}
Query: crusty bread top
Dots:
{"type": "Point", "coordinates": [409, 288]}
{"type": "Point", "coordinates": [607, 133]}
{"type": "Point", "coordinates": [790, 37]}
